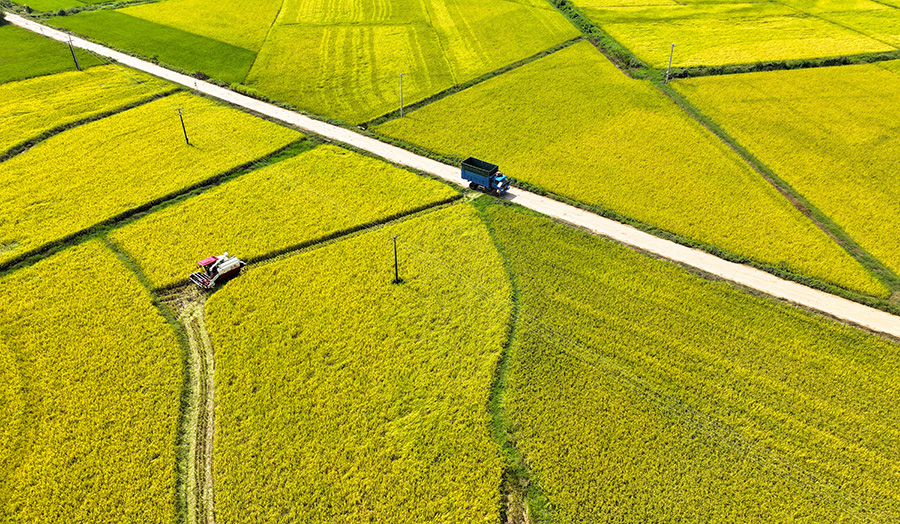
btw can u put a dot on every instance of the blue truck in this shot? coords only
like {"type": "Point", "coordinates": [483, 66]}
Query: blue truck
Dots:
{"type": "Point", "coordinates": [484, 175]}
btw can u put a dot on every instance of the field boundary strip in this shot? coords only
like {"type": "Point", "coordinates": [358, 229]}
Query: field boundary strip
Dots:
{"type": "Point", "coordinates": [756, 279]}
{"type": "Point", "coordinates": [821, 220]}
{"type": "Point", "coordinates": [183, 310]}
{"type": "Point", "coordinates": [471, 83]}
{"type": "Point", "coordinates": [288, 251]}
{"type": "Point", "coordinates": [75, 9]}
{"type": "Point", "coordinates": [124, 217]}
{"type": "Point", "coordinates": [524, 500]}
{"type": "Point", "coordinates": [28, 143]}
{"type": "Point", "coordinates": [634, 67]}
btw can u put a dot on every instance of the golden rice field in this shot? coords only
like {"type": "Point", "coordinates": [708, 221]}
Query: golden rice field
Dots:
{"type": "Point", "coordinates": [97, 171]}
{"type": "Point", "coordinates": [91, 390]}
{"type": "Point", "coordinates": [631, 389]}
{"type": "Point", "coordinates": [244, 23]}
{"type": "Point", "coordinates": [640, 392]}
{"type": "Point", "coordinates": [354, 73]}
{"type": "Point", "coordinates": [572, 124]}
{"type": "Point", "coordinates": [343, 59]}
{"type": "Point", "coordinates": [31, 107]}
{"type": "Point", "coordinates": [829, 132]}
{"type": "Point", "coordinates": [301, 200]}
{"type": "Point", "coordinates": [708, 34]}
{"type": "Point", "coordinates": [342, 397]}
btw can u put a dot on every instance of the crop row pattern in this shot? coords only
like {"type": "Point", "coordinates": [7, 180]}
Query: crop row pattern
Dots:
{"type": "Point", "coordinates": [342, 397]}
{"type": "Point", "coordinates": [644, 393]}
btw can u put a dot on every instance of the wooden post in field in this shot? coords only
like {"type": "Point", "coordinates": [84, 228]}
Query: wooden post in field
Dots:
{"type": "Point", "coordinates": [74, 56]}
{"type": "Point", "coordinates": [672, 52]}
{"type": "Point", "coordinates": [182, 127]}
{"type": "Point", "coordinates": [396, 265]}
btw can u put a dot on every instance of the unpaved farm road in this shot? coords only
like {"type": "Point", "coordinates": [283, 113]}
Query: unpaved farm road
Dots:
{"type": "Point", "coordinates": [746, 276]}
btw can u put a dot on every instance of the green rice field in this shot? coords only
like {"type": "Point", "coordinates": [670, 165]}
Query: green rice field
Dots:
{"type": "Point", "coordinates": [27, 55]}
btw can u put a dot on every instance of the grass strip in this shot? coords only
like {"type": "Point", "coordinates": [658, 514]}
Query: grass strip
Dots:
{"type": "Point", "coordinates": [524, 502]}
{"type": "Point", "coordinates": [776, 65]}
{"type": "Point", "coordinates": [618, 54]}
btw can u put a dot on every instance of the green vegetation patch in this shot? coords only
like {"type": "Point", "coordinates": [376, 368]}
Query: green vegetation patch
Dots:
{"type": "Point", "coordinates": [165, 44]}
{"type": "Point", "coordinates": [341, 397]}
{"type": "Point", "coordinates": [573, 124]}
{"type": "Point", "coordinates": [89, 396]}
{"type": "Point", "coordinates": [95, 172]}
{"type": "Point", "coordinates": [343, 59]}
{"type": "Point", "coordinates": [30, 108]}
{"type": "Point", "coordinates": [310, 197]}
{"type": "Point", "coordinates": [642, 393]}
{"type": "Point", "coordinates": [26, 54]}
{"type": "Point", "coordinates": [829, 132]}
{"type": "Point", "coordinates": [708, 34]}
{"type": "Point", "coordinates": [51, 5]}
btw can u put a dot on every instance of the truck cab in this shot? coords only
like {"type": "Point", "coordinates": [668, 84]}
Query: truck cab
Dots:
{"type": "Point", "coordinates": [485, 176]}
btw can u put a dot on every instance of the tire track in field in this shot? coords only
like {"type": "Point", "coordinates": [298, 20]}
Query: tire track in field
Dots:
{"type": "Point", "coordinates": [199, 489]}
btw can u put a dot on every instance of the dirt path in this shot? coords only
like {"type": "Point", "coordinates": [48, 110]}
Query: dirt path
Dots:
{"type": "Point", "coordinates": [199, 491]}
{"type": "Point", "coordinates": [746, 276]}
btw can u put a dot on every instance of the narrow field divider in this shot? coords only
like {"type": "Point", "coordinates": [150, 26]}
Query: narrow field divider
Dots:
{"type": "Point", "coordinates": [28, 143]}
{"type": "Point", "coordinates": [756, 279]}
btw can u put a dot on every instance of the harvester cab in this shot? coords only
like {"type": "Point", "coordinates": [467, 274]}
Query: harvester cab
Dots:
{"type": "Point", "coordinates": [216, 270]}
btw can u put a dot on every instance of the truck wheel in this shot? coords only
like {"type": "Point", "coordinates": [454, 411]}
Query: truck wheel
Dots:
{"type": "Point", "coordinates": [473, 185]}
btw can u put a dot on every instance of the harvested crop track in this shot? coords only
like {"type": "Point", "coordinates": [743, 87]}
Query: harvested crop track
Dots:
{"type": "Point", "coordinates": [199, 418]}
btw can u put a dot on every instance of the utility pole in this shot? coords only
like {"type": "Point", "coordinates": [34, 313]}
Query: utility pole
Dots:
{"type": "Point", "coordinates": [396, 266]}
{"type": "Point", "coordinates": [182, 127]}
{"type": "Point", "coordinates": [401, 95]}
{"type": "Point", "coordinates": [74, 56]}
{"type": "Point", "coordinates": [672, 52]}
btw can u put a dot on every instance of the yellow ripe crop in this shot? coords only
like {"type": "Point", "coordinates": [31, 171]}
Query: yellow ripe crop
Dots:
{"type": "Point", "coordinates": [354, 53]}
{"type": "Point", "coordinates": [34, 106]}
{"type": "Point", "coordinates": [96, 171]}
{"type": "Point", "coordinates": [89, 397]}
{"type": "Point", "coordinates": [829, 132]}
{"type": "Point", "coordinates": [308, 197]}
{"type": "Point", "coordinates": [709, 34]}
{"type": "Point", "coordinates": [341, 397]}
{"type": "Point", "coordinates": [644, 393]}
{"type": "Point", "coordinates": [573, 124]}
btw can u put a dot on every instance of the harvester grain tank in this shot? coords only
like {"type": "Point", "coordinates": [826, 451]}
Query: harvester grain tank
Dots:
{"type": "Point", "coordinates": [485, 175]}
{"type": "Point", "coordinates": [216, 270]}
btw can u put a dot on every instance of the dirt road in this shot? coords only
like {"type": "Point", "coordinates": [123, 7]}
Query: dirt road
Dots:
{"type": "Point", "coordinates": [834, 306]}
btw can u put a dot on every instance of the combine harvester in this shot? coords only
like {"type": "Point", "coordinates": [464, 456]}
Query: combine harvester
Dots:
{"type": "Point", "coordinates": [216, 270]}
{"type": "Point", "coordinates": [484, 175]}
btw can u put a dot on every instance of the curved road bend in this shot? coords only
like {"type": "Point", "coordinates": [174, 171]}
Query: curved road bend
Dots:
{"type": "Point", "coordinates": [834, 306]}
